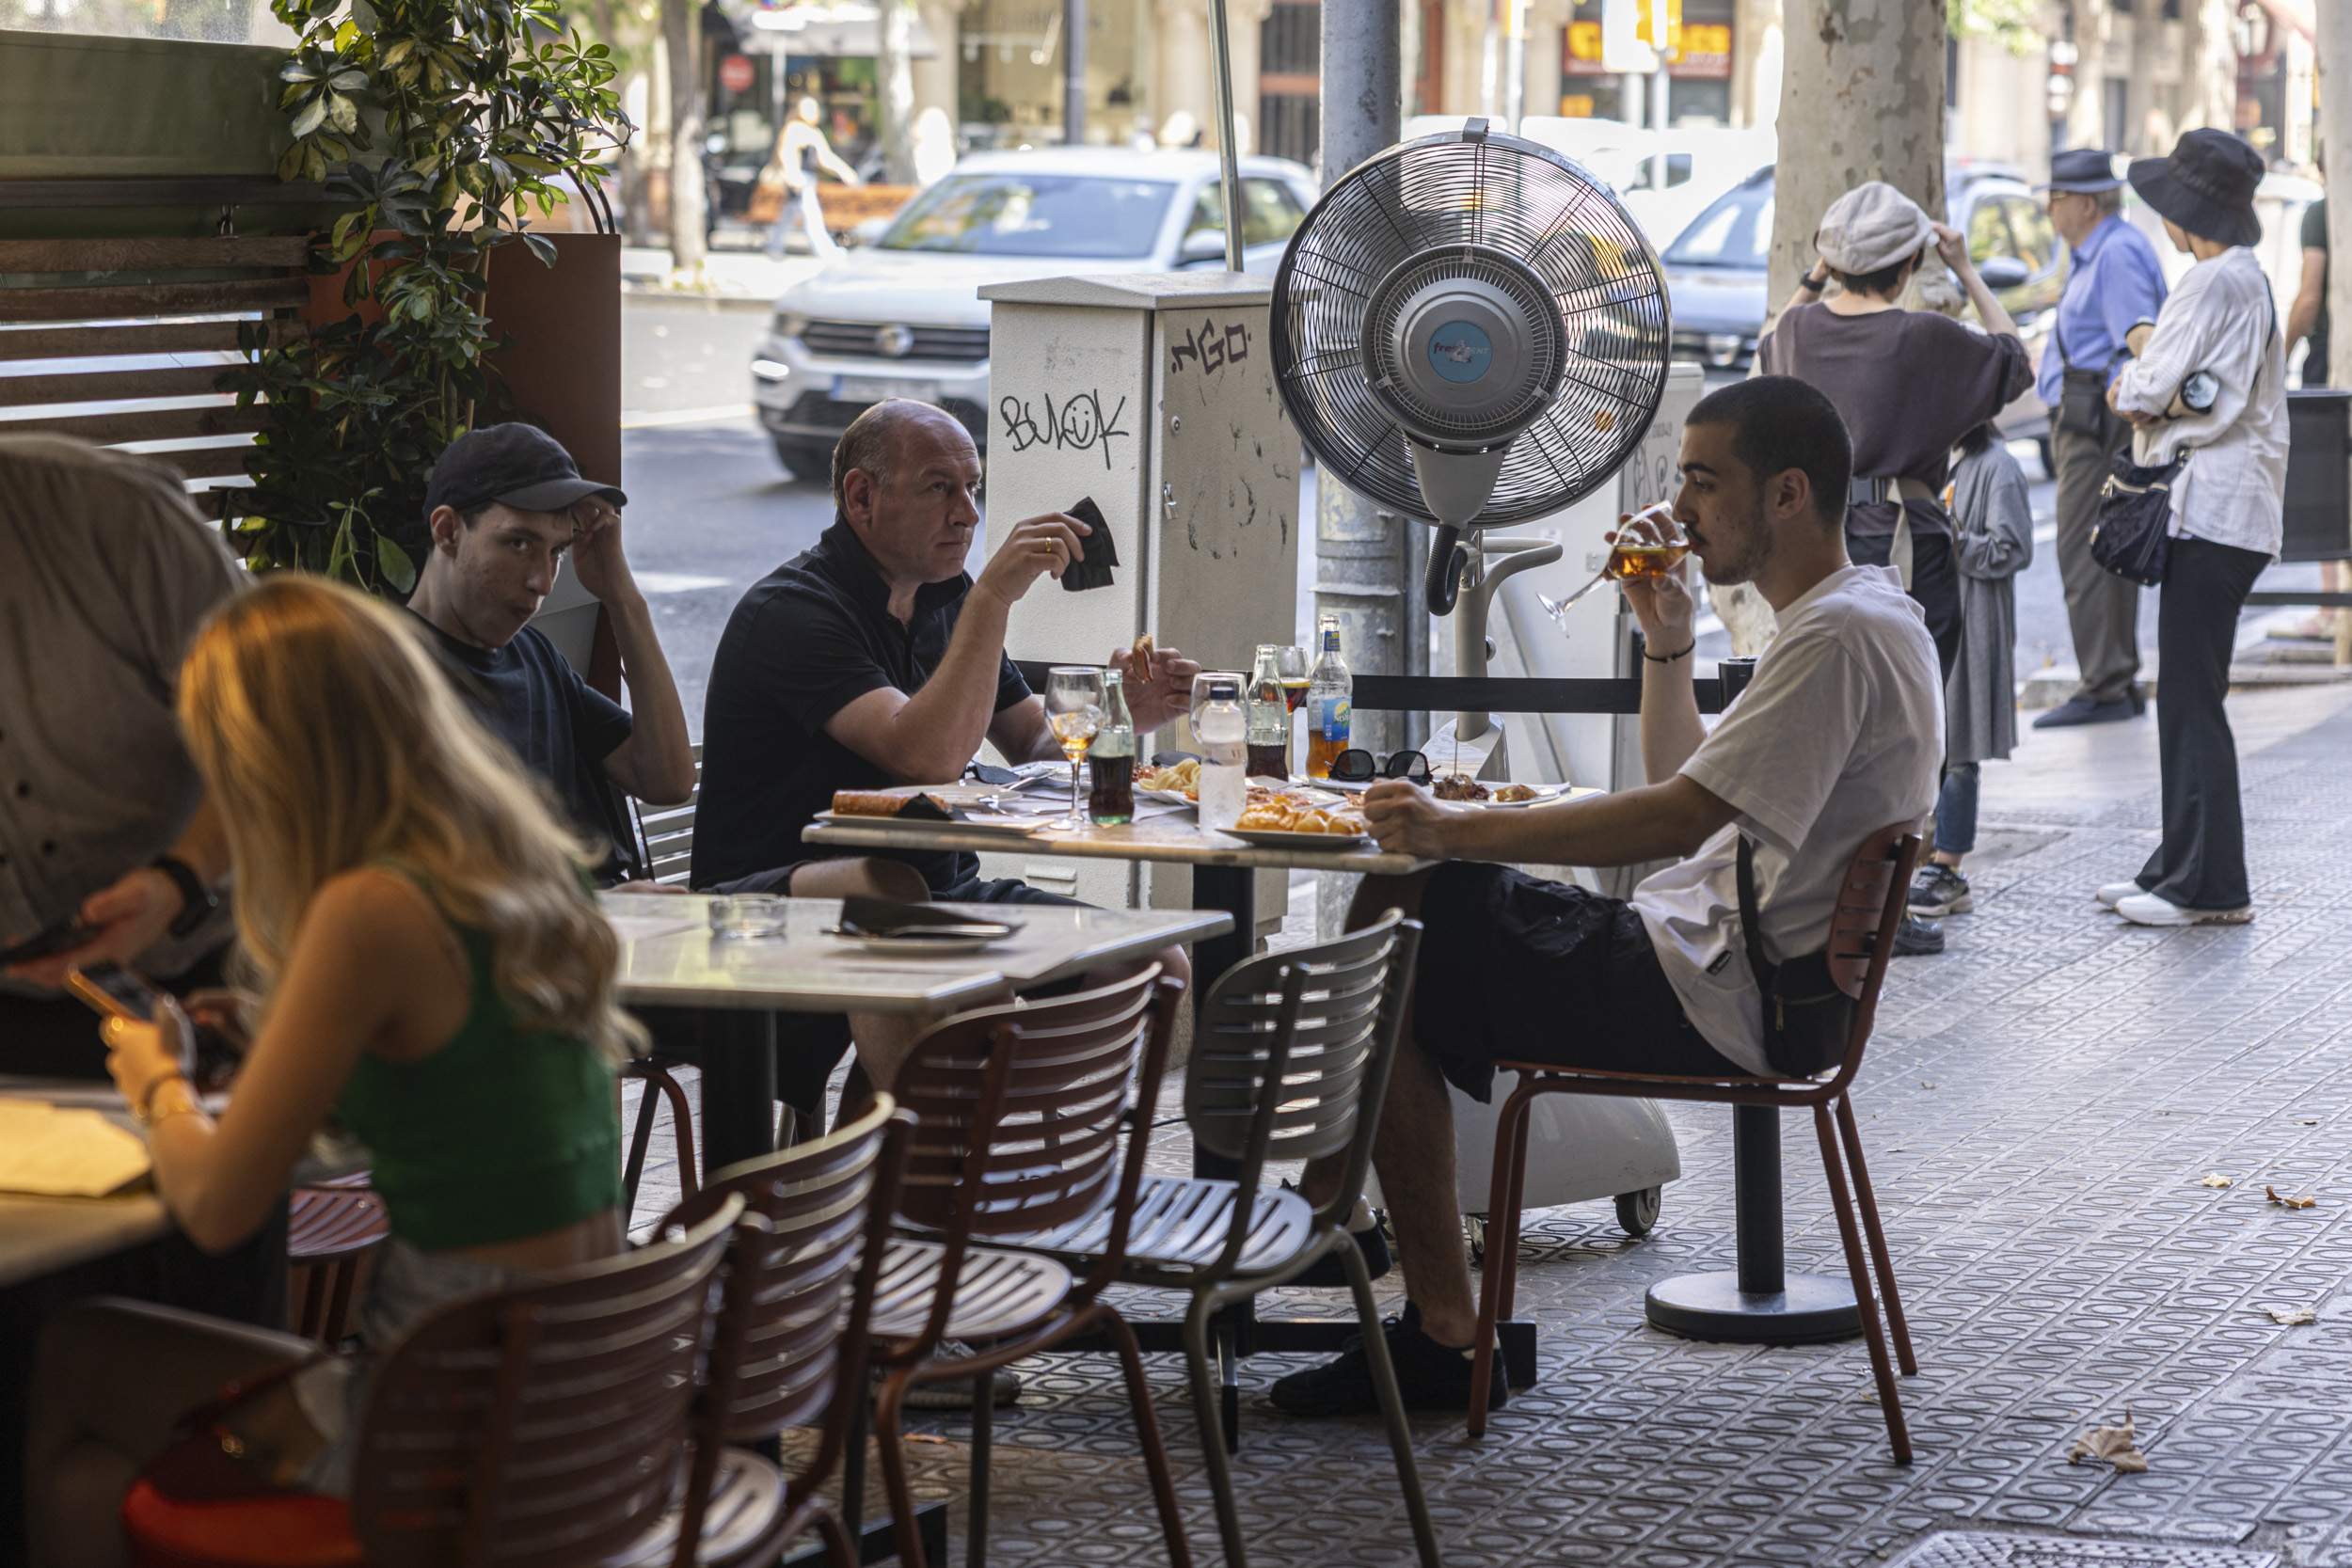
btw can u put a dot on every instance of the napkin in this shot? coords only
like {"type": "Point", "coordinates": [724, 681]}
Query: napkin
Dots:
{"type": "Point", "coordinates": [883, 917]}
{"type": "Point", "coordinates": [1092, 569]}
{"type": "Point", "coordinates": [53, 1151]}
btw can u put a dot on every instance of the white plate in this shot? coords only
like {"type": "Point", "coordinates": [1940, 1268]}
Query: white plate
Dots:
{"type": "Point", "coordinates": [1007, 830]}
{"type": "Point", "coordinates": [1171, 796]}
{"type": "Point", "coordinates": [1545, 795]}
{"type": "Point", "coordinates": [1273, 839]}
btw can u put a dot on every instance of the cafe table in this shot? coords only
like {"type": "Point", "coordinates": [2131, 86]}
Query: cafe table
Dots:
{"type": "Point", "coordinates": [734, 988]}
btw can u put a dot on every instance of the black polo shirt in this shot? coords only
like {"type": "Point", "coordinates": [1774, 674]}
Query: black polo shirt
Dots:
{"type": "Point", "coordinates": [808, 639]}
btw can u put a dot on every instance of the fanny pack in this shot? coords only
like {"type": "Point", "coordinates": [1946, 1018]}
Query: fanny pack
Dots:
{"type": "Point", "coordinates": [2132, 535]}
{"type": "Point", "coordinates": [2083, 405]}
{"type": "Point", "coordinates": [1808, 1017]}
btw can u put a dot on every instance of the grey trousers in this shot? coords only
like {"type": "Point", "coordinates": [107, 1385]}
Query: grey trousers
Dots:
{"type": "Point", "coordinates": [2102, 610]}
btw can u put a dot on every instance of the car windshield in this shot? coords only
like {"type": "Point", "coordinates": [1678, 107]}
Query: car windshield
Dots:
{"type": "Point", "coordinates": [1736, 231]}
{"type": "Point", "coordinates": [1033, 214]}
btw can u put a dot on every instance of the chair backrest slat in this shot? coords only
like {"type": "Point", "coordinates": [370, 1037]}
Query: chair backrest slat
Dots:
{"type": "Point", "coordinates": [1018, 1109]}
{"type": "Point", "coordinates": [542, 1425]}
{"type": "Point", "coordinates": [1871, 900]}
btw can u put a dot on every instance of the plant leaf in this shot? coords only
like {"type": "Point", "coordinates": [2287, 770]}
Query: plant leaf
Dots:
{"type": "Point", "coordinates": [313, 115]}
{"type": "Point", "coordinates": [394, 564]}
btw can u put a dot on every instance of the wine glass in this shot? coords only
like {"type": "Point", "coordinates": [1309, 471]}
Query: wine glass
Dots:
{"type": "Point", "coordinates": [1201, 691]}
{"type": "Point", "coordinates": [1291, 664]}
{"type": "Point", "coordinates": [1639, 552]}
{"type": "Point", "coordinates": [1074, 705]}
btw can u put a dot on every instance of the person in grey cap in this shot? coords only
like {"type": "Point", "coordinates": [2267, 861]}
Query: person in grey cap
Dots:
{"type": "Point", "coordinates": [504, 506]}
{"type": "Point", "coordinates": [2112, 281]}
{"type": "Point", "coordinates": [1909, 384]}
{"type": "Point", "coordinates": [2207, 382]}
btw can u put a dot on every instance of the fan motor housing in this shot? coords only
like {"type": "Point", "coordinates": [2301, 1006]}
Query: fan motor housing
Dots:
{"type": "Point", "coordinates": [1464, 346]}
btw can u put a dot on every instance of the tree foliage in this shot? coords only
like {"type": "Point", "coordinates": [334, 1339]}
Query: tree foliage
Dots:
{"type": "Point", "coordinates": [435, 126]}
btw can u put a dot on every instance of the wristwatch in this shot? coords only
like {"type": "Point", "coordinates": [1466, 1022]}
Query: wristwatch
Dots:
{"type": "Point", "coordinates": [1811, 285]}
{"type": "Point", "coordinates": [197, 901]}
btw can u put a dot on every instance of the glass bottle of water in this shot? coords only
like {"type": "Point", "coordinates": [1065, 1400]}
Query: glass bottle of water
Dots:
{"type": "Point", "coordinates": [1223, 732]}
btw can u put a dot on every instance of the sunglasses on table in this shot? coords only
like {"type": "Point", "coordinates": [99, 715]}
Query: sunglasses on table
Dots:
{"type": "Point", "coordinates": [1356, 765]}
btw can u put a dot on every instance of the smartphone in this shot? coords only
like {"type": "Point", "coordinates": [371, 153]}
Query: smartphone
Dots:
{"type": "Point", "coordinates": [63, 937]}
{"type": "Point", "coordinates": [115, 990]}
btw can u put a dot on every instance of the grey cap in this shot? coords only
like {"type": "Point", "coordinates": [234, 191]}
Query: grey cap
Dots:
{"type": "Point", "coordinates": [1871, 226]}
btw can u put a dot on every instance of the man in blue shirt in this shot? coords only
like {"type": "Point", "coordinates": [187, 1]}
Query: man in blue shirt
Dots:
{"type": "Point", "coordinates": [2112, 281]}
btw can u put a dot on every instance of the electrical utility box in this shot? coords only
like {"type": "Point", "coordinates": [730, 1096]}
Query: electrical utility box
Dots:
{"type": "Point", "coordinates": [1154, 394]}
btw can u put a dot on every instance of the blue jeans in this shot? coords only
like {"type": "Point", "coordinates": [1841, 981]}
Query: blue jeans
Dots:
{"type": "Point", "coordinates": [1956, 810]}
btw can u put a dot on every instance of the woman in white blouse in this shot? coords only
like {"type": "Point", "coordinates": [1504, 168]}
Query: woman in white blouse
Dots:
{"type": "Point", "coordinates": [2210, 381]}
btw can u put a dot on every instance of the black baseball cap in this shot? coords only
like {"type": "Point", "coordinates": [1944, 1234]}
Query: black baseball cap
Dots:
{"type": "Point", "coordinates": [517, 464]}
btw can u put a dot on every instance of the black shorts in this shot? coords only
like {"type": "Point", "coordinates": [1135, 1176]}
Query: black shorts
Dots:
{"type": "Point", "coordinates": [1514, 968]}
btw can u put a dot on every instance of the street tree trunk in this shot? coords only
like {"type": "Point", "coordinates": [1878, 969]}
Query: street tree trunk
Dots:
{"type": "Point", "coordinates": [1862, 94]}
{"type": "Point", "coordinates": [2335, 140]}
{"type": "Point", "coordinates": [681, 31]}
{"type": "Point", "coordinates": [2086, 115]}
{"type": "Point", "coordinates": [896, 70]}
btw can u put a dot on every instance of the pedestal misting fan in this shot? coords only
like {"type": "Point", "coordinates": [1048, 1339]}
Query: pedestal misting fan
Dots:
{"type": "Point", "coordinates": [1470, 330]}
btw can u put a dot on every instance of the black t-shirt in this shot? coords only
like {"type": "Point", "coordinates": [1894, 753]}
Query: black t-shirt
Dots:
{"type": "Point", "coordinates": [529, 696]}
{"type": "Point", "coordinates": [808, 639]}
{"type": "Point", "coordinates": [2315, 238]}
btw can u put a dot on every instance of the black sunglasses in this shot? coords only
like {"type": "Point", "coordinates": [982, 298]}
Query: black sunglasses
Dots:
{"type": "Point", "coordinates": [1356, 765]}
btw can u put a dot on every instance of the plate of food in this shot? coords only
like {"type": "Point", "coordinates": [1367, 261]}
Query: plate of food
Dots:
{"type": "Point", "coordinates": [1526, 795]}
{"type": "Point", "coordinates": [854, 808]}
{"type": "Point", "coordinates": [1288, 822]}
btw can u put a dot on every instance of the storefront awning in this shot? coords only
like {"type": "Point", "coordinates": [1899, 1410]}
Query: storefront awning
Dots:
{"type": "Point", "coordinates": [850, 29]}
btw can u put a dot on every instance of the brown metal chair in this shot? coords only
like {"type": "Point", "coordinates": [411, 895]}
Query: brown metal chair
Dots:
{"type": "Point", "coordinates": [542, 1426]}
{"type": "Point", "coordinates": [332, 1228]}
{"type": "Point", "coordinates": [1861, 941]}
{"type": "Point", "coordinates": [1290, 1062]}
{"type": "Point", "coordinates": [791, 1347]}
{"type": "Point", "coordinates": [1018, 1112]}
{"type": "Point", "coordinates": [665, 848]}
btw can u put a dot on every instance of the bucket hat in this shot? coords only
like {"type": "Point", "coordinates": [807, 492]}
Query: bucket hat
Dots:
{"type": "Point", "coordinates": [2206, 186]}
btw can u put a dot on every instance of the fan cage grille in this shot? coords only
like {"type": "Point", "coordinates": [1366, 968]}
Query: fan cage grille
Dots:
{"type": "Point", "coordinates": [1511, 195]}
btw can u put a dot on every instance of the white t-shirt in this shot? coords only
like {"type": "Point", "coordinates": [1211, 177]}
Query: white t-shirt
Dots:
{"type": "Point", "coordinates": [1838, 734]}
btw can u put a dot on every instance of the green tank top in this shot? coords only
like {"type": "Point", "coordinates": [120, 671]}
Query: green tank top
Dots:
{"type": "Point", "coordinates": [504, 1132]}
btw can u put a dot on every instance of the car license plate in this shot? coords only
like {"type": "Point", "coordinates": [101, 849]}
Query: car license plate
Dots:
{"type": "Point", "coordinates": [867, 388]}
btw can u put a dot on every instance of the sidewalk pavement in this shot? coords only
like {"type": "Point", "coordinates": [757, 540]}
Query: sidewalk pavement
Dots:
{"type": "Point", "coordinates": [749, 277]}
{"type": "Point", "coordinates": [2041, 1107]}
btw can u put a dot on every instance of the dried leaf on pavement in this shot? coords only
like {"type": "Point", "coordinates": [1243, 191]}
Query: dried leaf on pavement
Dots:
{"type": "Point", "coordinates": [2285, 1202]}
{"type": "Point", "coordinates": [2118, 1446]}
{"type": "Point", "coordinates": [2292, 1317]}
{"type": "Point", "coordinates": [2215, 1178]}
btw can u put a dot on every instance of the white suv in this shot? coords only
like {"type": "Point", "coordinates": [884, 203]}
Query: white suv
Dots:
{"type": "Point", "coordinates": [903, 317]}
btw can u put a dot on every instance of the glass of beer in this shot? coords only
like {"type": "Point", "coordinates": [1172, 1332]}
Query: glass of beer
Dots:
{"type": "Point", "coordinates": [1074, 705]}
{"type": "Point", "coordinates": [1649, 543]}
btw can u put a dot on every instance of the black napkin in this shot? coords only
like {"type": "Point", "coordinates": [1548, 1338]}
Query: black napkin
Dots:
{"type": "Point", "coordinates": [883, 917]}
{"type": "Point", "coordinates": [1092, 569]}
{"type": "Point", "coordinates": [925, 808]}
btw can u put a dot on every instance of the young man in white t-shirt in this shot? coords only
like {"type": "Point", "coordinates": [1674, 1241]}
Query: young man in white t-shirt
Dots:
{"type": "Point", "coordinates": [1839, 736]}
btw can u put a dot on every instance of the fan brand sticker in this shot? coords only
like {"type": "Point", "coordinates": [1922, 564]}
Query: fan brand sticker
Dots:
{"type": "Point", "coordinates": [1460, 351]}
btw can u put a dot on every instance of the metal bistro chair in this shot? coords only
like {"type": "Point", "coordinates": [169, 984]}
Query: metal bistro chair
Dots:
{"type": "Point", "coordinates": [1292, 1063]}
{"type": "Point", "coordinates": [791, 1347]}
{"type": "Point", "coordinates": [332, 1228]}
{"type": "Point", "coordinates": [1018, 1111]}
{"type": "Point", "coordinates": [1861, 941]}
{"type": "Point", "coordinates": [525, 1429]}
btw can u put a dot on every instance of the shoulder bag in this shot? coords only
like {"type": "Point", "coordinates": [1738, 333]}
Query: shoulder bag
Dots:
{"type": "Point", "coordinates": [2132, 535]}
{"type": "Point", "coordinates": [1807, 1017]}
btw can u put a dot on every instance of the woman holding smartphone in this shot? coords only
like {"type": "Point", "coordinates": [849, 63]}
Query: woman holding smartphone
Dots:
{"type": "Point", "coordinates": [437, 980]}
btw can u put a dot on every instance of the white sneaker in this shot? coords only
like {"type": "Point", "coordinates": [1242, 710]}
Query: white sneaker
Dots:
{"type": "Point", "coordinates": [2145, 909]}
{"type": "Point", "coordinates": [2112, 894]}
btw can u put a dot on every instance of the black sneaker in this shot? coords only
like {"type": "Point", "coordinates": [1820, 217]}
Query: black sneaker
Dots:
{"type": "Point", "coordinates": [1916, 936]}
{"type": "Point", "coordinates": [1941, 890]}
{"type": "Point", "coordinates": [1429, 1376]}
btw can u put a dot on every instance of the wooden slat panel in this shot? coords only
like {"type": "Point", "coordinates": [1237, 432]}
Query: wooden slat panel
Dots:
{"type": "Point", "coordinates": [76, 343]}
{"type": "Point", "coordinates": [164, 191]}
{"type": "Point", "coordinates": [155, 299]}
{"type": "Point", "coordinates": [205, 462]}
{"type": "Point", "coordinates": [149, 425]}
{"type": "Point", "coordinates": [173, 381]}
{"type": "Point", "coordinates": [154, 255]}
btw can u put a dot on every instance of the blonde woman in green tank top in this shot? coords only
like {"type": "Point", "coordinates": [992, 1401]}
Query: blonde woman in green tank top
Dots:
{"type": "Point", "coordinates": [434, 977]}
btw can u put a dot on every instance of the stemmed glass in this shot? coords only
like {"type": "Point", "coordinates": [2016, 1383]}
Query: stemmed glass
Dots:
{"type": "Point", "coordinates": [1074, 705]}
{"type": "Point", "coordinates": [1639, 552]}
{"type": "Point", "coordinates": [1290, 665]}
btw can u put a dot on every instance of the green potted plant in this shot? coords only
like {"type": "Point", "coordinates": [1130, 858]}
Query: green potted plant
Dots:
{"type": "Point", "coordinates": [435, 126]}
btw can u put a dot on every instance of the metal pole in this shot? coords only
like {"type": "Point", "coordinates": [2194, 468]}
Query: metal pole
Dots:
{"type": "Point", "coordinates": [1657, 125]}
{"type": "Point", "coordinates": [1514, 63]}
{"type": "Point", "coordinates": [1074, 71]}
{"type": "Point", "coordinates": [1228, 153]}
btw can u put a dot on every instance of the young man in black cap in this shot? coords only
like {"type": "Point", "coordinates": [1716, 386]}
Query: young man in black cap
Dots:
{"type": "Point", "coordinates": [2113, 280]}
{"type": "Point", "coordinates": [505, 506]}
